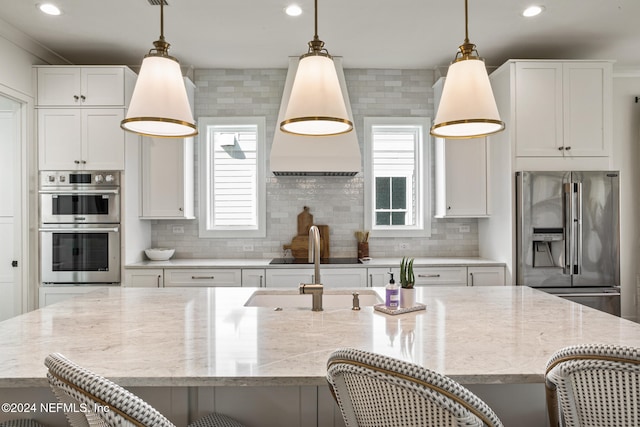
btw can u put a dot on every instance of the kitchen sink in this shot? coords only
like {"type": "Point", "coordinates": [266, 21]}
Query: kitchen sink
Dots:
{"type": "Point", "coordinates": [331, 298]}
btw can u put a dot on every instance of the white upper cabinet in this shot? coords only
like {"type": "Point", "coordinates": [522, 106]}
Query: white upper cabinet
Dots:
{"type": "Point", "coordinates": [84, 139]}
{"type": "Point", "coordinates": [461, 174]}
{"type": "Point", "coordinates": [81, 86]}
{"type": "Point", "coordinates": [562, 109]}
{"type": "Point", "coordinates": [79, 111]}
{"type": "Point", "coordinates": [461, 178]}
{"type": "Point", "coordinates": [167, 178]}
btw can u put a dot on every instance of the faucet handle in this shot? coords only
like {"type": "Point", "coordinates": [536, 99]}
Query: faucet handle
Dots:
{"type": "Point", "coordinates": [356, 302]}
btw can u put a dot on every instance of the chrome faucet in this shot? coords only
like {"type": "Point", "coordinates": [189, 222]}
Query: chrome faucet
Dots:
{"type": "Point", "coordinates": [315, 288]}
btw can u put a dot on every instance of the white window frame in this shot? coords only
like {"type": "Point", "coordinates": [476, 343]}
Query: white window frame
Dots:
{"type": "Point", "coordinates": [206, 201]}
{"type": "Point", "coordinates": [422, 226]}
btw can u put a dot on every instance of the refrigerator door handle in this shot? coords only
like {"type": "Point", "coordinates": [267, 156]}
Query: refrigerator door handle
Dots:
{"type": "Point", "coordinates": [567, 195]}
{"type": "Point", "coordinates": [578, 233]}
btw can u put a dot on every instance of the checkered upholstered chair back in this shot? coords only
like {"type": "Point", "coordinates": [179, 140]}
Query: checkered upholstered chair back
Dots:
{"type": "Point", "coordinates": [93, 400]}
{"type": "Point", "coordinates": [375, 390]}
{"type": "Point", "coordinates": [594, 386]}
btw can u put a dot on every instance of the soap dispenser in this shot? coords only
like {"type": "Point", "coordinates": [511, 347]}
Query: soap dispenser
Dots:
{"type": "Point", "coordinates": [392, 294]}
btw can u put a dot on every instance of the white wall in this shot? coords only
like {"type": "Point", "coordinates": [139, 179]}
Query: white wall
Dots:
{"type": "Point", "coordinates": [626, 155]}
{"type": "Point", "coordinates": [18, 54]}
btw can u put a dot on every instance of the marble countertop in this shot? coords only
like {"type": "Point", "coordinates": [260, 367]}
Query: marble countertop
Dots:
{"type": "Point", "coordinates": [262, 263]}
{"type": "Point", "coordinates": [206, 336]}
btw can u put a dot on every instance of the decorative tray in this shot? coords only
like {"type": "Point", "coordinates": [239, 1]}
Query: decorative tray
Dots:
{"type": "Point", "coordinates": [383, 308]}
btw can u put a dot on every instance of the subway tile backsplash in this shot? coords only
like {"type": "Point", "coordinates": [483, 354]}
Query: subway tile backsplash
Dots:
{"type": "Point", "coordinates": [335, 201]}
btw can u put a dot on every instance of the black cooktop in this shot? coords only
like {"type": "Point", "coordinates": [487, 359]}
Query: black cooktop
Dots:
{"type": "Point", "coordinates": [322, 261]}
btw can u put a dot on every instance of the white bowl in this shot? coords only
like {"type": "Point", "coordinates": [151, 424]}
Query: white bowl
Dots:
{"type": "Point", "coordinates": [159, 254]}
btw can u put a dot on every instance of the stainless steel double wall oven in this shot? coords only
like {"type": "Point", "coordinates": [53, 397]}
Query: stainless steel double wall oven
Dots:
{"type": "Point", "coordinates": [79, 227]}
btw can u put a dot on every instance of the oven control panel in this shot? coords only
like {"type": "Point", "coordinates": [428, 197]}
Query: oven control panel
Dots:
{"type": "Point", "coordinates": [79, 178]}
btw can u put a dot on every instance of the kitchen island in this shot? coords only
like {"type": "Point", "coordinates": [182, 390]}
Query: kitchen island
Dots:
{"type": "Point", "coordinates": [192, 350]}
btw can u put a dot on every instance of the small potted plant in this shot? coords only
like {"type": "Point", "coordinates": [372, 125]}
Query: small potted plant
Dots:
{"type": "Point", "coordinates": [407, 280]}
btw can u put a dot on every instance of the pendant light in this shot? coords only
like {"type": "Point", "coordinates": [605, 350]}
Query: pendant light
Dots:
{"type": "Point", "coordinates": [316, 106]}
{"type": "Point", "coordinates": [159, 105]}
{"type": "Point", "coordinates": [467, 108]}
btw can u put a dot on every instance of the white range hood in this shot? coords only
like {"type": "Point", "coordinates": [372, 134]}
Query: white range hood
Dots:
{"type": "Point", "coordinates": [294, 155]}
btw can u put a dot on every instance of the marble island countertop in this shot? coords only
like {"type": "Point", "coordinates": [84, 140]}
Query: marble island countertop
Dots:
{"type": "Point", "coordinates": [262, 263]}
{"type": "Point", "coordinates": [206, 336]}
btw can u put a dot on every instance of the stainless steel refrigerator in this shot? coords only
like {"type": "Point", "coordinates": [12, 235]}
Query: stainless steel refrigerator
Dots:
{"type": "Point", "coordinates": [568, 237]}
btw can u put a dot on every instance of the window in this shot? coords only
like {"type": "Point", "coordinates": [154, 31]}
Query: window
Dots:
{"type": "Point", "coordinates": [232, 170]}
{"type": "Point", "coordinates": [396, 178]}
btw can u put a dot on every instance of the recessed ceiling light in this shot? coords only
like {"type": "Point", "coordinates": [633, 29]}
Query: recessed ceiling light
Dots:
{"type": "Point", "coordinates": [293, 10]}
{"type": "Point", "coordinates": [532, 11]}
{"type": "Point", "coordinates": [49, 9]}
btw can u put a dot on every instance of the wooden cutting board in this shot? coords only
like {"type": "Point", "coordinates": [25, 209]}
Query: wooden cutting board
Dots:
{"type": "Point", "coordinates": [300, 244]}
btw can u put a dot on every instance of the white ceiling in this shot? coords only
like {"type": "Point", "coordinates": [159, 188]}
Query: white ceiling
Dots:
{"type": "Point", "coordinates": [366, 33]}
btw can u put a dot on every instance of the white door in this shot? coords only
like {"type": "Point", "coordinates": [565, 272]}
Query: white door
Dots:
{"type": "Point", "coordinates": [10, 209]}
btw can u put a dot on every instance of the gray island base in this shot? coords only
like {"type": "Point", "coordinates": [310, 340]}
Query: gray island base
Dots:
{"type": "Point", "coordinates": [188, 351]}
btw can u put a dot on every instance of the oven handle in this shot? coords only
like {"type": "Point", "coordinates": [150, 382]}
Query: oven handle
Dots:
{"type": "Point", "coordinates": [81, 230]}
{"type": "Point", "coordinates": [114, 191]}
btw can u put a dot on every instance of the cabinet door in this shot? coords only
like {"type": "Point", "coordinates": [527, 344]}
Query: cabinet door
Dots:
{"type": "Point", "coordinates": [538, 109]}
{"type": "Point", "coordinates": [102, 139]}
{"type": "Point", "coordinates": [461, 178]}
{"type": "Point", "coordinates": [59, 138]}
{"type": "Point", "coordinates": [205, 277]}
{"type": "Point", "coordinates": [167, 178]}
{"type": "Point", "coordinates": [80, 86]}
{"type": "Point", "coordinates": [343, 277]}
{"type": "Point", "coordinates": [54, 294]}
{"type": "Point", "coordinates": [440, 276]}
{"type": "Point", "coordinates": [143, 278]}
{"type": "Point", "coordinates": [587, 105]}
{"type": "Point", "coordinates": [486, 276]}
{"type": "Point", "coordinates": [102, 86]}
{"type": "Point", "coordinates": [288, 277]}
{"type": "Point", "coordinates": [253, 277]}
{"type": "Point", "coordinates": [58, 86]}
{"type": "Point", "coordinates": [379, 276]}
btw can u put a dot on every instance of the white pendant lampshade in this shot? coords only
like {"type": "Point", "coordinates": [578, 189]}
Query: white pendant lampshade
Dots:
{"type": "Point", "coordinates": [467, 107]}
{"type": "Point", "coordinates": [159, 105]}
{"type": "Point", "coordinates": [316, 106]}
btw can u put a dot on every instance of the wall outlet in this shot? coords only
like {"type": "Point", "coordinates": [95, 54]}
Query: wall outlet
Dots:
{"type": "Point", "coordinates": [465, 229]}
{"type": "Point", "coordinates": [247, 248]}
{"type": "Point", "coordinates": [403, 246]}
{"type": "Point", "coordinates": [178, 229]}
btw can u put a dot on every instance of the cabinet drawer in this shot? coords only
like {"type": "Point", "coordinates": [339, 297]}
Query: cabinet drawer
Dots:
{"type": "Point", "coordinates": [441, 276]}
{"type": "Point", "coordinates": [202, 277]}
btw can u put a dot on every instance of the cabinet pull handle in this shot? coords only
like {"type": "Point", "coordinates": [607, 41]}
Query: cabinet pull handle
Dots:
{"type": "Point", "coordinates": [567, 148]}
{"type": "Point", "coordinates": [471, 274]}
{"type": "Point", "coordinates": [84, 162]}
{"type": "Point", "coordinates": [428, 275]}
{"type": "Point", "coordinates": [83, 97]}
{"type": "Point", "coordinates": [261, 280]}
{"type": "Point", "coordinates": [371, 280]}
{"type": "Point", "coordinates": [180, 209]}
{"type": "Point", "coordinates": [202, 277]}
{"type": "Point", "coordinates": [159, 277]}
{"type": "Point", "coordinates": [77, 162]}
{"type": "Point", "coordinates": [76, 97]}
{"type": "Point", "coordinates": [560, 148]}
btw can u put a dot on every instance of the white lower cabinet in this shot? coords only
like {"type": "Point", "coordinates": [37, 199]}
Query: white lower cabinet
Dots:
{"type": "Point", "coordinates": [143, 278]}
{"type": "Point", "coordinates": [485, 276]}
{"type": "Point", "coordinates": [439, 276]}
{"type": "Point", "coordinates": [288, 277]}
{"type": "Point", "coordinates": [329, 277]}
{"type": "Point", "coordinates": [202, 277]}
{"type": "Point", "coordinates": [379, 276]}
{"type": "Point", "coordinates": [253, 278]}
{"type": "Point", "coordinates": [52, 294]}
